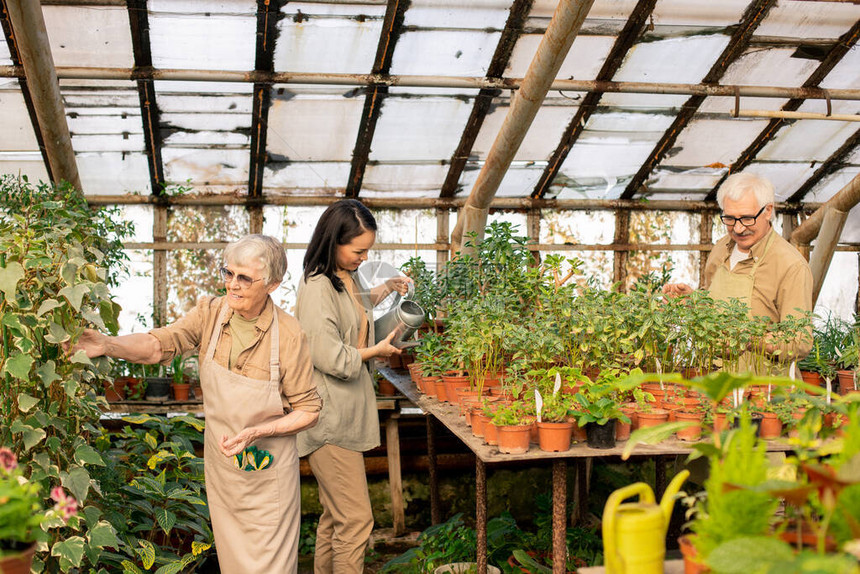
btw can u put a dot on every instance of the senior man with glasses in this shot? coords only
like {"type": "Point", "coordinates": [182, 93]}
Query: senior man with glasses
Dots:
{"type": "Point", "coordinates": [259, 391]}
{"type": "Point", "coordinates": [755, 264]}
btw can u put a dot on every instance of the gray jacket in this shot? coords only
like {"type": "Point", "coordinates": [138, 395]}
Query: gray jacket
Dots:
{"type": "Point", "coordinates": [349, 418]}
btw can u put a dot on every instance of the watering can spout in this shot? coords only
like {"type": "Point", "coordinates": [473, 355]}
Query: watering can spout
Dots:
{"type": "Point", "coordinates": [667, 503]}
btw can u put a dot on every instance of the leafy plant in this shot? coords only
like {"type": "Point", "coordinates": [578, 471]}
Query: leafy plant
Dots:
{"type": "Point", "coordinates": [58, 258]}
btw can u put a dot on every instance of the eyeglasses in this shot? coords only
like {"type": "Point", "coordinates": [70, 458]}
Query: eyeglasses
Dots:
{"type": "Point", "coordinates": [746, 220]}
{"type": "Point", "coordinates": [245, 282]}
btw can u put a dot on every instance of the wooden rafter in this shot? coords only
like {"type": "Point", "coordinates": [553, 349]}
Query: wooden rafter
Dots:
{"type": "Point", "coordinates": [753, 16]}
{"type": "Point", "coordinates": [392, 26]}
{"type": "Point", "coordinates": [25, 90]}
{"type": "Point", "coordinates": [626, 39]}
{"type": "Point", "coordinates": [512, 32]}
{"type": "Point", "coordinates": [268, 15]}
{"type": "Point", "coordinates": [834, 56]}
{"type": "Point", "coordinates": [138, 19]}
{"type": "Point", "coordinates": [834, 163]}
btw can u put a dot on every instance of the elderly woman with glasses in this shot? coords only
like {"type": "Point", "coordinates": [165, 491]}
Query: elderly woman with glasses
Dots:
{"type": "Point", "coordinates": [257, 377]}
{"type": "Point", "coordinates": [754, 264]}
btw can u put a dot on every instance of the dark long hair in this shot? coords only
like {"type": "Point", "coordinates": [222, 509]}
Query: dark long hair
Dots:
{"type": "Point", "coordinates": [342, 222]}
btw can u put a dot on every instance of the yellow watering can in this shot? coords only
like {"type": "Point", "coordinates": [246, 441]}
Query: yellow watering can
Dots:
{"type": "Point", "coordinates": [634, 534]}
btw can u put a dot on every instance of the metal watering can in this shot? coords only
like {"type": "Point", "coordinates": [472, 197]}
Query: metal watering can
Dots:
{"type": "Point", "coordinates": [634, 534]}
{"type": "Point", "coordinates": [404, 318]}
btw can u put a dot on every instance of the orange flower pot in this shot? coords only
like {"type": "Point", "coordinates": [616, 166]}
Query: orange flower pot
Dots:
{"type": "Point", "coordinates": [770, 427]}
{"type": "Point", "coordinates": [554, 437]}
{"type": "Point", "coordinates": [514, 439]}
{"type": "Point", "coordinates": [691, 433]}
{"type": "Point", "coordinates": [652, 418]}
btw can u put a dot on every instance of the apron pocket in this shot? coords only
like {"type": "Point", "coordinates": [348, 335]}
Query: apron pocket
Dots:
{"type": "Point", "coordinates": [249, 496]}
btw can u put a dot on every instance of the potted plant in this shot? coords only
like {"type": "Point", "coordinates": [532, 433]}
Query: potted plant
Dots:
{"type": "Point", "coordinates": [22, 514]}
{"type": "Point", "coordinates": [513, 423]}
{"type": "Point", "coordinates": [180, 381]}
{"type": "Point", "coordinates": [553, 425]}
{"type": "Point", "coordinates": [597, 411]}
{"type": "Point", "coordinates": [157, 384]}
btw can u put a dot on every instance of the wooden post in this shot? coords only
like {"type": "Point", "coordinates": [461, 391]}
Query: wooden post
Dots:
{"type": "Point", "coordinates": [828, 238]}
{"type": "Point", "coordinates": [533, 225]}
{"type": "Point", "coordinates": [706, 235]}
{"type": "Point", "coordinates": [395, 484]}
{"type": "Point", "coordinates": [622, 237]}
{"type": "Point", "coordinates": [159, 267]}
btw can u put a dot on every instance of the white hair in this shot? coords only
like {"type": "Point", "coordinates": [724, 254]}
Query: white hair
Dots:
{"type": "Point", "coordinates": [739, 185]}
{"type": "Point", "coordinates": [266, 251]}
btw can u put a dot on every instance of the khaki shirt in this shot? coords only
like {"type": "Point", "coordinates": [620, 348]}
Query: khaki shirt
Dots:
{"type": "Point", "coordinates": [349, 418]}
{"type": "Point", "coordinates": [194, 331]}
{"type": "Point", "coordinates": [782, 287]}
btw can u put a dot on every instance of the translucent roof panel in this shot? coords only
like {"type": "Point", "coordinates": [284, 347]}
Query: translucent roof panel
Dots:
{"type": "Point", "coordinates": [692, 181]}
{"type": "Point", "coordinates": [807, 140]}
{"type": "Point", "coordinates": [16, 129]}
{"type": "Point", "coordinates": [769, 67]}
{"type": "Point", "coordinates": [808, 20]}
{"type": "Point", "coordinates": [444, 52]}
{"type": "Point", "coordinates": [403, 180]}
{"type": "Point", "coordinates": [844, 74]}
{"type": "Point", "coordinates": [106, 43]}
{"type": "Point", "coordinates": [601, 11]}
{"type": "Point", "coordinates": [676, 60]}
{"type": "Point", "coordinates": [519, 180]}
{"type": "Point", "coordinates": [114, 173]}
{"type": "Point", "coordinates": [419, 128]}
{"type": "Point", "coordinates": [478, 15]}
{"type": "Point", "coordinates": [831, 185]}
{"type": "Point", "coordinates": [785, 177]}
{"type": "Point", "coordinates": [203, 35]}
{"type": "Point", "coordinates": [103, 118]}
{"type": "Point", "coordinates": [301, 123]}
{"type": "Point", "coordinates": [305, 177]}
{"type": "Point", "coordinates": [707, 142]}
{"type": "Point", "coordinates": [583, 61]}
{"type": "Point", "coordinates": [214, 170]}
{"type": "Point", "coordinates": [328, 38]}
{"type": "Point", "coordinates": [541, 139]}
{"type": "Point", "coordinates": [5, 56]}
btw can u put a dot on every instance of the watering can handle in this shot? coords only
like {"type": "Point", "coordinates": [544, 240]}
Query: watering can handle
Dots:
{"type": "Point", "coordinates": [409, 293]}
{"type": "Point", "coordinates": [610, 551]}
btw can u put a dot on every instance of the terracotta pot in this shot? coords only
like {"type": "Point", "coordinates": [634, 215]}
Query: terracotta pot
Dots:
{"type": "Point", "coordinates": [652, 418]}
{"type": "Point", "coordinates": [846, 381]}
{"type": "Point", "coordinates": [554, 437]}
{"type": "Point", "coordinates": [578, 432]}
{"type": "Point", "coordinates": [197, 391]}
{"type": "Point", "coordinates": [115, 391]}
{"type": "Point", "coordinates": [395, 361]}
{"type": "Point", "coordinates": [811, 378]}
{"type": "Point", "coordinates": [720, 422]}
{"type": "Point", "coordinates": [415, 372]}
{"type": "Point", "coordinates": [441, 390]}
{"type": "Point", "coordinates": [491, 433]}
{"type": "Point", "coordinates": [452, 383]}
{"type": "Point", "coordinates": [180, 391]}
{"type": "Point", "coordinates": [771, 426]}
{"type": "Point", "coordinates": [429, 385]}
{"type": "Point", "coordinates": [672, 408]}
{"type": "Point", "coordinates": [19, 563]}
{"type": "Point", "coordinates": [796, 416]}
{"type": "Point", "coordinates": [467, 405]}
{"type": "Point", "coordinates": [623, 430]}
{"type": "Point", "coordinates": [478, 421]}
{"type": "Point", "coordinates": [514, 439]}
{"type": "Point", "coordinates": [386, 389]}
{"type": "Point", "coordinates": [688, 551]}
{"type": "Point", "coordinates": [134, 388]}
{"type": "Point", "coordinates": [691, 433]}
{"type": "Point", "coordinates": [806, 538]}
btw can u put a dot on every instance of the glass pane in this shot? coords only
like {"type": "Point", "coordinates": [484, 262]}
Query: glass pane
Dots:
{"type": "Point", "coordinates": [134, 294]}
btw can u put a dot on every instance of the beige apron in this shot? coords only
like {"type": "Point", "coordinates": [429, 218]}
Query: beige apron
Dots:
{"type": "Point", "coordinates": [255, 515]}
{"type": "Point", "coordinates": [727, 285]}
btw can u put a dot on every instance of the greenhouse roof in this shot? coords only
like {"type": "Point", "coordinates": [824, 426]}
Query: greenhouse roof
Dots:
{"type": "Point", "coordinates": [655, 99]}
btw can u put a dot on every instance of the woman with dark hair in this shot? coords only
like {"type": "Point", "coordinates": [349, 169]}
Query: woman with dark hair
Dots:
{"type": "Point", "coordinates": [337, 317]}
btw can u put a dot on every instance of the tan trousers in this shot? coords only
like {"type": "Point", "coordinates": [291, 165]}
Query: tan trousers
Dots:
{"type": "Point", "coordinates": [347, 519]}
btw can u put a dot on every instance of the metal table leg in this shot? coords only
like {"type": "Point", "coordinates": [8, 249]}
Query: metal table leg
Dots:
{"type": "Point", "coordinates": [481, 514]}
{"type": "Point", "coordinates": [435, 509]}
{"type": "Point", "coordinates": [559, 516]}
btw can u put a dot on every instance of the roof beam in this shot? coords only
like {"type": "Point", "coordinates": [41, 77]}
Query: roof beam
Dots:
{"type": "Point", "coordinates": [626, 39]}
{"type": "Point", "coordinates": [512, 32]}
{"type": "Point", "coordinates": [414, 81]}
{"type": "Point", "coordinates": [392, 26]}
{"type": "Point", "coordinates": [753, 16]}
{"type": "Point", "coordinates": [560, 34]}
{"type": "Point", "coordinates": [268, 15]}
{"type": "Point", "coordinates": [138, 19]}
{"type": "Point", "coordinates": [34, 51]}
{"type": "Point", "coordinates": [22, 81]}
{"type": "Point", "coordinates": [831, 165]}
{"type": "Point", "coordinates": [843, 46]}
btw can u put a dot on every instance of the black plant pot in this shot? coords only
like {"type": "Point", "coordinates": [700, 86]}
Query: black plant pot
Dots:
{"type": "Point", "coordinates": [600, 436]}
{"type": "Point", "coordinates": [158, 388]}
{"type": "Point", "coordinates": [755, 419]}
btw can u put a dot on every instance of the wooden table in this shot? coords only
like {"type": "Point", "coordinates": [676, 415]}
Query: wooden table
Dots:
{"type": "Point", "coordinates": [669, 567]}
{"type": "Point", "coordinates": [449, 416]}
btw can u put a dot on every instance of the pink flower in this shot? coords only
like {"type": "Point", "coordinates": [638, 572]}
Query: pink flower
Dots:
{"type": "Point", "coordinates": [66, 505]}
{"type": "Point", "coordinates": [8, 460]}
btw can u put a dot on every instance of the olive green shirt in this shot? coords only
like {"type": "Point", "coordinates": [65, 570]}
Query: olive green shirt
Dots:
{"type": "Point", "coordinates": [782, 285]}
{"type": "Point", "coordinates": [331, 321]}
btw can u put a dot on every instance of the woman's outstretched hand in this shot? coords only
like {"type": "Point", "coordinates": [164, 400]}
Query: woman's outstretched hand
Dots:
{"type": "Point", "coordinates": [91, 341]}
